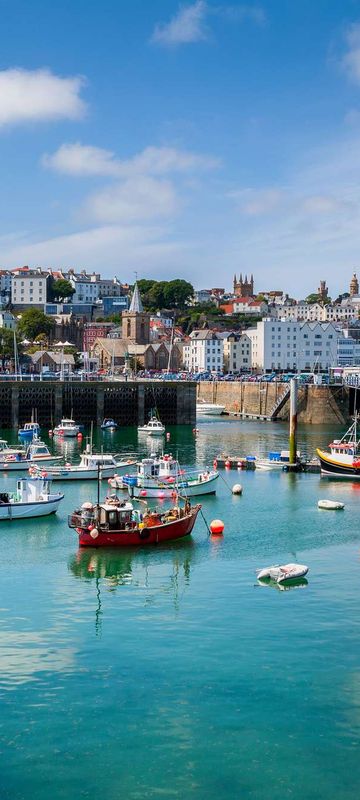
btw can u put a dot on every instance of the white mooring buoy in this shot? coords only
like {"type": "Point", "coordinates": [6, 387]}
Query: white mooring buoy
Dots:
{"type": "Point", "coordinates": [237, 488]}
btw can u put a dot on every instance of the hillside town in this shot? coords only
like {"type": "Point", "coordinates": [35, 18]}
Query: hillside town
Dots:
{"type": "Point", "coordinates": [56, 322]}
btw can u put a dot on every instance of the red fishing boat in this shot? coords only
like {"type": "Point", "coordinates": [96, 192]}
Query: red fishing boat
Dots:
{"type": "Point", "coordinates": [116, 523]}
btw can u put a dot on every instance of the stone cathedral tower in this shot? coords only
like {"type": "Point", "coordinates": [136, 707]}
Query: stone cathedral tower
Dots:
{"type": "Point", "coordinates": [244, 288]}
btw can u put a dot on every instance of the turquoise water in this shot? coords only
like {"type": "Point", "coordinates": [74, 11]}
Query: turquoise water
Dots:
{"type": "Point", "coordinates": [168, 672]}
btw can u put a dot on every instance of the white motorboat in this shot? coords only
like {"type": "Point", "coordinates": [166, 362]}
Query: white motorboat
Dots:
{"type": "Point", "coordinates": [162, 477]}
{"type": "Point", "coordinates": [331, 505]}
{"type": "Point", "coordinates": [6, 449]}
{"type": "Point", "coordinates": [91, 467]}
{"type": "Point", "coordinates": [67, 427]}
{"type": "Point", "coordinates": [281, 573]}
{"type": "Point", "coordinates": [276, 460]}
{"type": "Point", "coordinates": [211, 409]}
{"type": "Point", "coordinates": [37, 452]}
{"type": "Point", "coordinates": [33, 498]}
{"type": "Point", "coordinates": [152, 428]}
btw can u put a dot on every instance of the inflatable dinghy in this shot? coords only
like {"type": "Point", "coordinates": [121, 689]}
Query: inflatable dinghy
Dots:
{"type": "Point", "coordinates": [331, 505]}
{"type": "Point", "coordinates": [283, 572]}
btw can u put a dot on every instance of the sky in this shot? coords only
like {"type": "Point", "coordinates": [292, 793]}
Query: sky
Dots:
{"type": "Point", "coordinates": [182, 140]}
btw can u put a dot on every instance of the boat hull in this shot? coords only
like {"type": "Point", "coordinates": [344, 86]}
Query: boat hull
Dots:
{"type": "Point", "coordinates": [332, 468]}
{"type": "Point", "coordinates": [75, 474]}
{"type": "Point", "coordinates": [188, 488]}
{"type": "Point", "coordinates": [10, 511]}
{"type": "Point", "coordinates": [140, 538]}
{"type": "Point", "coordinates": [208, 410]}
{"type": "Point", "coordinates": [151, 432]}
{"type": "Point", "coordinates": [16, 466]}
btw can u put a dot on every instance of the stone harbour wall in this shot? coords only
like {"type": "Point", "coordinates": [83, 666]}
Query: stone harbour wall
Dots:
{"type": "Point", "coordinates": [316, 404]}
{"type": "Point", "coordinates": [129, 403]}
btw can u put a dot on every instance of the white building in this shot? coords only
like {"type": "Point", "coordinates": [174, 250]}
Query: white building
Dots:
{"type": "Point", "coordinates": [86, 289]}
{"type": "Point", "coordinates": [315, 312]}
{"type": "Point", "coordinates": [107, 287]}
{"type": "Point", "coordinates": [202, 296]}
{"type": "Point", "coordinates": [237, 352]}
{"type": "Point", "coordinates": [29, 288]}
{"type": "Point", "coordinates": [290, 346]}
{"type": "Point", "coordinates": [7, 320]}
{"type": "Point", "coordinates": [204, 352]}
{"type": "Point", "coordinates": [348, 350]}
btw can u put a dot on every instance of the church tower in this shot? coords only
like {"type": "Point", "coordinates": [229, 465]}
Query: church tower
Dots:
{"type": "Point", "coordinates": [244, 288]}
{"type": "Point", "coordinates": [354, 285]}
{"type": "Point", "coordinates": [136, 321]}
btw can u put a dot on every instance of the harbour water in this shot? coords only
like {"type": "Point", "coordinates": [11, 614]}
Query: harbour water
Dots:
{"type": "Point", "coordinates": [169, 672]}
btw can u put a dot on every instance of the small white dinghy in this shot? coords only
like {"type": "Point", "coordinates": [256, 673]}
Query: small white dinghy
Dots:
{"type": "Point", "coordinates": [283, 572]}
{"type": "Point", "coordinates": [331, 505]}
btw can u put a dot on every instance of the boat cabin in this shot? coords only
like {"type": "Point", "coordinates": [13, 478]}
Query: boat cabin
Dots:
{"type": "Point", "coordinates": [32, 490]}
{"type": "Point", "coordinates": [116, 515]}
{"type": "Point", "coordinates": [339, 447]}
{"type": "Point", "coordinates": [93, 460]}
{"type": "Point", "coordinates": [37, 449]}
{"type": "Point", "coordinates": [164, 467]}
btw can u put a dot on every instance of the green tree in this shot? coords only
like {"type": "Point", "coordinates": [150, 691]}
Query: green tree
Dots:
{"type": "Point", "coordinates": [177, 293]}
{"type": "Point", "coordinates": [157, 295]}
{"type": "Point", "coordinates": [7, 345]}
{"type": "Point", "coordinates": [61, 290]}
{"type": "Point", "coordinates": [34, 322]}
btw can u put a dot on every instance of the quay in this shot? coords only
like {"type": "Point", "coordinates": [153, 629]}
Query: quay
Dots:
{"type": "Point", "coordinates": [129, 403]}
{"type": "Point", "coordinates": [270, 401]}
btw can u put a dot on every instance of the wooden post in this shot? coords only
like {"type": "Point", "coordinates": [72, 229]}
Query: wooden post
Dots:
{"type": "Point", "coordinates": [141, 403]}
{"type": "Point", "coordinates": [293, 421]}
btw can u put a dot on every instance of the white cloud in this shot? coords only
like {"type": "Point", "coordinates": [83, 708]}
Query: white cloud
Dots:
{"type": "Point", "coordinates": [86, 160]}
{"type": "Point", "coordinates": [190, 23]}
{"type": "Point", "coordinates": [80, 159]}
{"type": "Point", "coordinates": [115, 249]}
{"type": "Point", "coordinates": [187, 26]}
{"type": "Point", "coordinates": [351, 59]}
{"type": "Point", "coordinates": [139, 198]}
{"type": "Point", "coordinates": [38, 95]}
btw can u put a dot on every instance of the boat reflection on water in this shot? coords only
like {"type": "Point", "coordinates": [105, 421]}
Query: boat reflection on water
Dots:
{"type": "Point", "coordinates": [300, 583]}
{"type": "Point", "coordinates": [163, 571]}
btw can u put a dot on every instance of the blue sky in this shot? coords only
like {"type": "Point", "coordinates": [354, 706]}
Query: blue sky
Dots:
{"type": "Point", "coordinates": [182, 140]}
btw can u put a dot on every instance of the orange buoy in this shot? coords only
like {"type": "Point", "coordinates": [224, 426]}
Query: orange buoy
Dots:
{"type": "Point", "coordinates": [143, 493]}
{"type": "Point", "coordinates": [217, 527]}
{"type": "Point", "coordinates": [227, 464]}
{"type": "Point", "coordinates": [79, 435]}
{"type": "Point", "coordinates": [215, 463]}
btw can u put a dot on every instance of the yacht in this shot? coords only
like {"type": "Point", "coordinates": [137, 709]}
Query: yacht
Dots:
{"type": "Point", "coordinates": [153, 428]}
{"type": "Point", "coordinates": [92, 466]}
{"type": "Point", "coordinates": [67, 427]}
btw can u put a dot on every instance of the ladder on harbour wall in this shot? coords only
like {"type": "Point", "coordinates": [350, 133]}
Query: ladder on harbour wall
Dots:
{"type": "Point", "coordinates": [279, 404]}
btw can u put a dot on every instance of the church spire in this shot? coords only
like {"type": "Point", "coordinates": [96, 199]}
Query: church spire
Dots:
{"type": "Point", "coordinates": [136, 304]}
